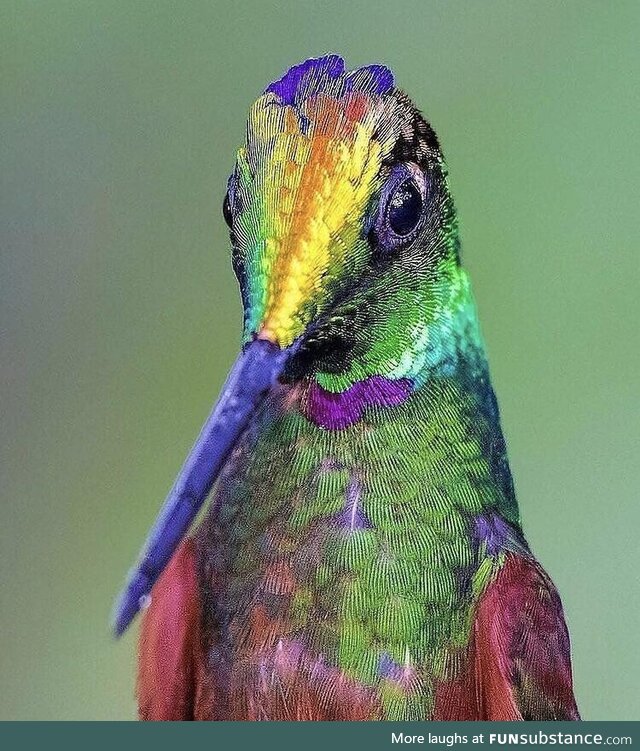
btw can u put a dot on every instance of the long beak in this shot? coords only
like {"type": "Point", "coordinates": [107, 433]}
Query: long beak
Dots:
{"type": "Point", "coordinates": [253, 374]}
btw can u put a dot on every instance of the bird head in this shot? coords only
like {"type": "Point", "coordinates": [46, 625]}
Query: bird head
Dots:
{"type": "Point", "coordinates": [342, 225]}
{"type": "Point", "coordinates": [345, 245]}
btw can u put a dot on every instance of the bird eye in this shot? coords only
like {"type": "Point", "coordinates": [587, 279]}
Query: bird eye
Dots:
{"type": "Point", "coordinates": [401, 207]}
{"type": "Point", "coordinates": [226, 210]}
{"type": "Point", "coordinates": [405, 208]}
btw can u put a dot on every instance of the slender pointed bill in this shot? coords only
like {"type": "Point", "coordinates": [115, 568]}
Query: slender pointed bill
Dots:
{"type": "Point", "coordinates": [253, 374]}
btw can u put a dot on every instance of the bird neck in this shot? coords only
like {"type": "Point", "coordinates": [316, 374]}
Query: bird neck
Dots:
{"type": "Point", "coordinates": [444, 394]}
{"type": "Point", "coordinates": [402, 356]}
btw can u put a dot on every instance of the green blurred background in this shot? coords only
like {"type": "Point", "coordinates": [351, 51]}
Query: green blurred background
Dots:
{"type": "Point", "coordinates": [119, 312]}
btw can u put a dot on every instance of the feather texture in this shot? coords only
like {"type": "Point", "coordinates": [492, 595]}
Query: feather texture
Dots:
{"type": "Point", "coordinates": [362, 557]}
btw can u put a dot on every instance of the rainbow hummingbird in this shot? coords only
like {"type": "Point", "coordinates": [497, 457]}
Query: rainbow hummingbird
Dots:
{"type": "Point", "coordinates": [362, 555]}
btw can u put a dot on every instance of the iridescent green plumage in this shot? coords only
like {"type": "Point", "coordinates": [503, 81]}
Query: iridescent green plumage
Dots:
{"type": "Point", "coordinates": [363, 556]}
{"type": "Point", "coordinates": [401, 586]}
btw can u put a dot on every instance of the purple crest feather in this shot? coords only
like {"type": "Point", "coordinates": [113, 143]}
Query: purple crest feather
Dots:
{"type": "Point", "coordinates": [327, 74]}
{"type": "Point", "coordinates": [374, 79]}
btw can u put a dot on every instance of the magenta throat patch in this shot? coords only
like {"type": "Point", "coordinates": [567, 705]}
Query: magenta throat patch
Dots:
{"type": "Point", "coordinates": [336, 411]}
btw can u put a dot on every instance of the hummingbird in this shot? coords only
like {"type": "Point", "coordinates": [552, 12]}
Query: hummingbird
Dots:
{"type": "Point", "coordinates": [361, 556]}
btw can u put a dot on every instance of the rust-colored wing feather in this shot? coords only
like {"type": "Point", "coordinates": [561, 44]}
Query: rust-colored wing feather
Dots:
{"type": "Point", "coordinates": [523, 664]}
{"type": "Point", "coordinates": [518, 665]}
{"type": "Point", "coordinates": [173, 683]}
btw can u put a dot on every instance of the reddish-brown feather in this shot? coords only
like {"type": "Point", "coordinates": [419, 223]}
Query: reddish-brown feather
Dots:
{"type": "Point", "coordinates": [172, 680]}
{"type": "Point", "coordinates": [518, 664]}
{"type": "Point", "coordinates": [175, 679]}
{"type": "Point", "coordinates": [519, 659]}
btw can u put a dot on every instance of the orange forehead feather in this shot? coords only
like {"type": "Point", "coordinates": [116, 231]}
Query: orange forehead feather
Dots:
{"type": "Point", "coordinates": [306, 176]}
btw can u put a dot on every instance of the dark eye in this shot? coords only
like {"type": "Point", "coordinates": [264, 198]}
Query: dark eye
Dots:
{"type": "Point", "coordinates": [226, 211]}
{"type": "Point", "coordinates": [401, 208]}
{"type": "Point", "coordinates": [405, 208]}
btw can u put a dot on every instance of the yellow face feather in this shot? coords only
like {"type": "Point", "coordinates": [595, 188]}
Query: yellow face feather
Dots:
{"type": "Point", "coordinates": [304, 181]}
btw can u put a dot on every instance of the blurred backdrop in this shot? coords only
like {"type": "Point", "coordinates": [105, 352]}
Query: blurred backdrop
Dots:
{"type": "Point", "coordinates": [120, 316]}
